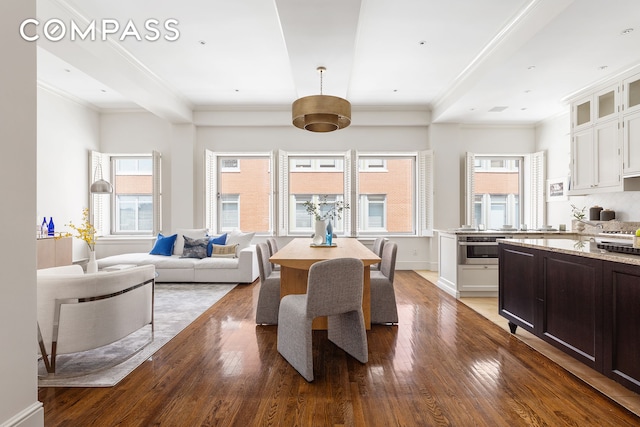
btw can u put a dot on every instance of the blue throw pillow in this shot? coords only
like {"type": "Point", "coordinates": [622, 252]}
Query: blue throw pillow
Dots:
{"type": "Point", "coordinates": [216, 240]}
{"type": "Point", "coordinates": [164, 245]}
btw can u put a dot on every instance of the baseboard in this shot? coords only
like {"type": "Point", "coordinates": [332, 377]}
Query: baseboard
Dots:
{"type": "Point", "coordinates": [416, 265]}
{"type": "Point", "coordinates": [33, 416]}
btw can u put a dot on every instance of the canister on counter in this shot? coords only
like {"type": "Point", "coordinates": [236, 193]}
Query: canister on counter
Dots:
{"type": "Point", "coordinates": [594, 213]}
{"type": "Point", "coordinates": [607, 215]}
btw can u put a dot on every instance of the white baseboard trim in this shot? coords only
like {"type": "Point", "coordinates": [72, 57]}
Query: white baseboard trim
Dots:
{"type": "Point", "coordinates": [416, 265]}
{"type": "Point", "coordinates": [32, 416]}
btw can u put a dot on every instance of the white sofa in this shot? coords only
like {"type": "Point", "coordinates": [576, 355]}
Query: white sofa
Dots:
{"type": "Point", "coordinates": [173, 269]}
{"type": "Point", "coordinates": [78, 311]}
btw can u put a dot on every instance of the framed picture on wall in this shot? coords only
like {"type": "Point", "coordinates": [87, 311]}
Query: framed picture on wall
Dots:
{"type": "Point", "coordinates": [557, 189]}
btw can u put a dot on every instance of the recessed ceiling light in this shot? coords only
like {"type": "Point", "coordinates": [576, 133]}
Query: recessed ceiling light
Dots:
{"type": "Point", "coordinates": [523, 108]}
{"type": "Point", "coordinates": [531, 67]}
{"type": "Point", "coordinates": [395, 90]}
{"type": "Point", "coordinates": [202, 42]}
{"type": "Point", "coordinates": [237, 90]}
{"type": "Point", "coordinates": [603, 67]}
{"type": "Point", "coordinates": [422, 42]}
{"type": "Point", "coordinates": [626, 31]}
{"type": "Point", "coordinates": [103, 91]}
{"type": "Point", "coordinates": [67, 70]}
{"type": "Point", "coordinates": [527, 91]}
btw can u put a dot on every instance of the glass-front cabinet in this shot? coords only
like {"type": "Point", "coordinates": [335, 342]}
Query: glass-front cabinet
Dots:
{"type": "Point", "coordinates": [631, 89]}
{"type": "Point", "coordinates": [606, 103]}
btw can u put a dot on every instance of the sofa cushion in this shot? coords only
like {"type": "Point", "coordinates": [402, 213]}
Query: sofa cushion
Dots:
{"type": "Point", "coordinates": [243, 240]}
{"type": "Point", "coordinates": [224, 251]}
{"type": "Point", "coordinates": [195, 248]}
{"type": "Point", "coordinates": [164, 245]}
{"type": "Point", "coordinates": [216, 240]}
{"type": "Point", "coordinates": [194, 233]}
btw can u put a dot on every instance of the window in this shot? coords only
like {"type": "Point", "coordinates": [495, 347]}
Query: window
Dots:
{"type": "Point", "coordinates": [238, 192]}
{"type": "Point", "coordinates": [134, 206]}
{"type": "Point", "coordinates": [373, 216]}
{"type": "Point", "coordinates": [324, 177]}
{"type": "Point", "coordinates": [230, 212]}
{"type": "Point", "coordinates": [505, 190]}
{"type": "Point", "coordinates": [386, 193]}
{"type": "Point", "coordinates": [389, 193]}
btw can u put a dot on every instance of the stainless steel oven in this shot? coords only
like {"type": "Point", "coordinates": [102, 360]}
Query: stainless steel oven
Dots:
{"type": "Point", "coordinates": [481, 249]}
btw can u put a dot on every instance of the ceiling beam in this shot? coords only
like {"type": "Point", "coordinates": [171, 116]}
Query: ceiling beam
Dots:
{"type": "Point", "coordinates": [111, 64]}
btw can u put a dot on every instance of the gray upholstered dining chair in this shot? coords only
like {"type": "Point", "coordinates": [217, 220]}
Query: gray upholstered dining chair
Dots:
{"type": "Point", "coordinates": [273, 248]}
{"type": "Point", "coordinates": [378, 244]}
{"type": "Point", "coordinates": [383, 297]}
{"type": "Point", "coordinates": [269, 295]}
{"type": "Point", "coordinates": [334, 289]}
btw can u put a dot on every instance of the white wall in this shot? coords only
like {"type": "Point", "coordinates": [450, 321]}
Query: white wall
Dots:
{"type": "Point", "coordinates": [553, 136]}
{"type": "Point", "coordinates": [450, 142]}
{"type": "Point", "coordinates": [67, 131]}
{"type": "Point", "coordinates": [19, 404]}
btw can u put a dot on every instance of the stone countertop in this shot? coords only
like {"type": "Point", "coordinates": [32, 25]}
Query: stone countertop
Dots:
{"type": "Point", "coordinates": [460, 231]}
{"type": "Point", "coordinates": [584, 247]}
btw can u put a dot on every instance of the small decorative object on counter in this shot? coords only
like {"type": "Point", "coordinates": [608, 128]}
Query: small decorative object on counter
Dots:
{"type": "Point", "coordinates": [579, 215]}
{"type": "Point", "coordinates": [51, 228]}
{"type": "Point", "coordinates": [607, 215]}
{"type": "Point", "coordinates": [636, 239]}
{"type": "Point", "coordinates": [44, 228]}
{"type": "Point", "coordinates": [329, 232]}
{"type": "Point", "coordinates": [562, 227]}
{"type": "Point", "coordinates": [594, 213]}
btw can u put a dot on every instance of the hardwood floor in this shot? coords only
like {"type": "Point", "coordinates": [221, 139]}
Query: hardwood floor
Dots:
{"type": "Point", "coordinates": [444, 364]}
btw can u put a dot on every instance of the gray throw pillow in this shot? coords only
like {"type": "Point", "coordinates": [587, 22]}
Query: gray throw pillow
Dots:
{"type": "Point", "coordinates": [195, 248]}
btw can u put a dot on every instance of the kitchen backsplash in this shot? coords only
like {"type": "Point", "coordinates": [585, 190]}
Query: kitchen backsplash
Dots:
{"type": "Point", "coordinates": [626, 204]}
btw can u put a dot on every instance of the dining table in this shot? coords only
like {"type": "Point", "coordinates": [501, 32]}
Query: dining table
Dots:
{"type": "Point", "coordinates": [300, 254]}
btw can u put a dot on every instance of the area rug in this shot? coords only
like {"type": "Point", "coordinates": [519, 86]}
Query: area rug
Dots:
{"type": "Point", "coordinates": [176, 306]}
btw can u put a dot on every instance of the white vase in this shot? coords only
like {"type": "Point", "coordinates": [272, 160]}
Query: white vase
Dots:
{"type": "Point", "coordinates": [320, 230]}
{"type": "Point", "coordinates": [92, 265]}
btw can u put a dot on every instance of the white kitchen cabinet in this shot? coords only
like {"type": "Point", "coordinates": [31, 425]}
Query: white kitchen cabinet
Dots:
{"type": "Point", "coordinates": [596, 159]}
{"type": "Point", "coordinates": [477, 281]}
{"type": "Point", "coordinates": [631, 94]}
{"type": "Point", "coordinates": [582, 113]}
{"type": "Point", "coordinates": [631, 144]}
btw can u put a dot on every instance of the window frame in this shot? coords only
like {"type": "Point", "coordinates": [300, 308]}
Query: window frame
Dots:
{"type": "Point", "coordinates": [102, 207]}
{"type": "Point", "coordinates": [212, 170]}
{"type": "Point", "coordinates": [532, 179]}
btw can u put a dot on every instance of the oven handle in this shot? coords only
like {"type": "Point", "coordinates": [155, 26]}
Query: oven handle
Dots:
{"type": "Point", "coordinates": [478, 243]}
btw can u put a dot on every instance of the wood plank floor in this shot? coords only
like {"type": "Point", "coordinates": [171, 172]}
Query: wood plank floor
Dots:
{"type": "Point", "coordinates": [443, 365]}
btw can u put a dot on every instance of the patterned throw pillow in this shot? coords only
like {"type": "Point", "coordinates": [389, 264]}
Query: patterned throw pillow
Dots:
{"type": "Point", "coordinates": [216, 240]}
{"type": "Point", "coordinates": [195, 248]}
{"type": "Point", "coordinates": [224, 251]}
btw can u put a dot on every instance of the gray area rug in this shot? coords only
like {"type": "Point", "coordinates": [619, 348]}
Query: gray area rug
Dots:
{"type": "Point", "coordinates": [176, 306]}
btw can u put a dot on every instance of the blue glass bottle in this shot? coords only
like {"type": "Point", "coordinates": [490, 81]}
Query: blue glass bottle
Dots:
{"type": "Point", "coordinates": [51, 229]}
{"type": "Point", "coordinates": [329, 233]}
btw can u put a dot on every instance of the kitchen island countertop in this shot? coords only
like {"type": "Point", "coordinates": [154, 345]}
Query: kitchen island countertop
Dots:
{"type": "Point", "coordinates": [583, 247]}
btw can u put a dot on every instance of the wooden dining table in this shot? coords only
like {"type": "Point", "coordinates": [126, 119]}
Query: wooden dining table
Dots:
{"type": "Point", "coordinates": [299, 255]}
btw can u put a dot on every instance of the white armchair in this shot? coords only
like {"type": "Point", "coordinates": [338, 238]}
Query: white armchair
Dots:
{"type": "Point", "coordinates": [78, 311]}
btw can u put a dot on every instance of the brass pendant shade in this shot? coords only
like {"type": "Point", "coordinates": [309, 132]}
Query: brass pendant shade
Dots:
{"type": "Point", "coordinates": [321, 113]}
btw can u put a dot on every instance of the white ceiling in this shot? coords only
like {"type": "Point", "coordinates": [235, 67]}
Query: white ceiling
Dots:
{"type": "Point", "coordinates": [456, 58]}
